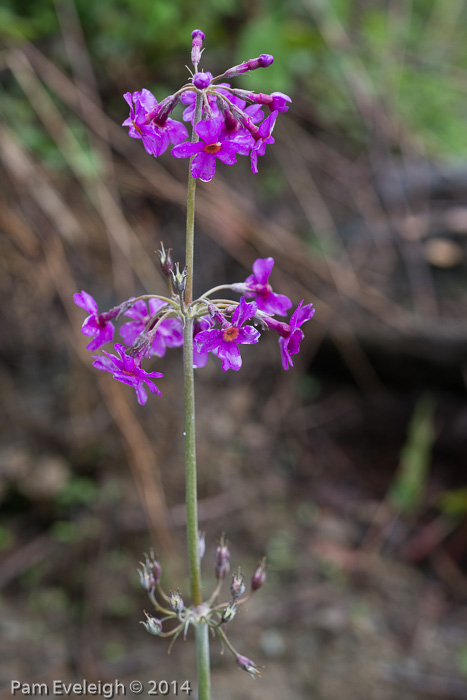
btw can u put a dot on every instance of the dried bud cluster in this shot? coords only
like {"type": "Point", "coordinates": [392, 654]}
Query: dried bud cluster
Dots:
{"type": "Point", "coordinates": [216, 615]}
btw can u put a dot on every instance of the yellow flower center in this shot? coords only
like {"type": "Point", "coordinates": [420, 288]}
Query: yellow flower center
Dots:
{"type": "Point", "coordinates": [212, 147]}
{"type": "Point", "coordinates": [230, 333]}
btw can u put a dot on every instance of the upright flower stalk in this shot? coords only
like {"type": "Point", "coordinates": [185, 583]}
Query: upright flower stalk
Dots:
{"type": "Point", "coordinates": [226, 122]}
{"type": "Point", "coordinates": [191, 492]}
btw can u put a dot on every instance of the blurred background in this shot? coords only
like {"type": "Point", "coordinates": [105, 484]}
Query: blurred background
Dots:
{"type": "Point", "coordinates": [348, 471]}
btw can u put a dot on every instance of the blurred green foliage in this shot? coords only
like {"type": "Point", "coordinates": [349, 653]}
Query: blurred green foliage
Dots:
{"type": "Point", "coordinates": [410, 58]}
{"type": "Point", "coordinates": [407, 489]}
{"type": "Point", "coordinates": [454, 502]}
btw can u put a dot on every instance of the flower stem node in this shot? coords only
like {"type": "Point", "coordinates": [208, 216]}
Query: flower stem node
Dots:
{"type": "Point", "coordinates": [152, 624]}
{"type": "Point", "coordinates": [248, 665]}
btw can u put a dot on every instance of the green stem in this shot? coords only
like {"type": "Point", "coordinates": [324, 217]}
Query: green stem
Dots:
{"type": "Point", "coordinates": [202, 659]}
{"type": "Point", "coordinates": [191, 496]}
{"type": "Point", "coordinates": [190, 210]}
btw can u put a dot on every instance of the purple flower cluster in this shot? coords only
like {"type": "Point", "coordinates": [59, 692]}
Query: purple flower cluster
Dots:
{"type": "Point", "coordinates": [229, 121]}
{"type": "Point", "coordinates": [220, 329]}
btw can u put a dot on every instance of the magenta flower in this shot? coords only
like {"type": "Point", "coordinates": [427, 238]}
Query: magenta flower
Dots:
{"type": "Point", "coordinates": [145, 123]}
{"type": "Point", "coordinates": [139, 129]}
{"type": "Point", "coordinates": [127, 369]}
{"type": "Point", "coordinates": [169, 334]}
{"type": "Point", "coordinates": [290, 342]}
{"type": "Point", "coordinates": [215, 146]}
{"type": "Point", "coordinates": [257, 285]}
{"type": "Point", "coordinates": [264, 138]}
{"type": "Point", "coordinates": [97, 325]}
{"type": "Point", "coordinates": [224, 341]}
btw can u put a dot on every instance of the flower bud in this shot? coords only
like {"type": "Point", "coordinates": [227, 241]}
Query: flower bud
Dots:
{"type": "Point", "coordinates": [150, 573]}
{"type": "Point", "coordinates": [229, 612]}
{"type": "Point", "coordinates": [152, 624]}
{"type": "Point", "coordinates": [167, 265]}
{"type": "Point", "coordinates": [179, 279]}
{"type": "Point", "coordinates": [263, 61]}
{"type": "Point", "coordinates": [259, 577]}
{"type": "Point", "coordinates": [197, 42]}
{"type": "Point", "coordinates": [247, 665]}
{"type": "Point", "coordinates": [202, 80]}
{"type": "Point", "coordinates": [222, 558]}
{"type": "Point", "coordinates": [176, 602]}
{"type": "Point", "coordinates": [146, 579]}
{"type": "Point", "coordinates": [237, 587]}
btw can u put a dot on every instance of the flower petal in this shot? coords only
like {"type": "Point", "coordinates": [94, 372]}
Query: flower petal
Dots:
{"type": "Point", "coordinates": [86, 302]}
{"type": "Point", "coordinates": [186, 150]}
{"type": "Point", "coordinates": [274, 303]}
{"type": "Point", "coordinates": [243, 312]}
{"type": "Point", "coordinates": [209, 130]}
{"type": "Point", "coordinates": [262, 269]}
{"type": "Point", "coordinates": [227, 154]}
{"type": "Point", "coordinates": [204, 166]}
{"type": "Point", "coordinates": [207, 341]}
{"type": "Point", "coordinates": [146, 99]}
{"type": "Point", "coordinates": [248, 334]}
{"type": "Point", "coordinates": [230, 356]}
{"type": "Point", "coordinates": [177, 131]}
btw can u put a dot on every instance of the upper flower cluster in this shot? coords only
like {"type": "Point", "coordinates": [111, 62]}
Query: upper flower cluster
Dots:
{"type": "Point", "coordinates": [227, 121]}
{"type": "Point", "coordinates": [220, 326]}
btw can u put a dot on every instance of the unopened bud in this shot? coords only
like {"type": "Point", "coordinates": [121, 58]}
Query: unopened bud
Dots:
{"type": "Point", "coordinates": [152, 624]}
{"type": "Point", "coordinates": [179, 279]}
{"type": "Point", "coordinates": [263, 61]}
{"type": "Point", "coordinates": [197, 42]}
{"type": "Point", "coordinates": [222, 558]}
{"type": "Point", "coordinates": [202, 80]}
{"type": "Point", "coordinates": [237, 587]}
{"type": "Point", "coordinates": [247, 665]}
{"type": "Point", "coordinates": [167, 265]}
{"type": "Point", "coordinates": [259, 577]}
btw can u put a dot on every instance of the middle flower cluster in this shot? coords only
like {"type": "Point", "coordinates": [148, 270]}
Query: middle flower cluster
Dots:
{"type": "Point", "coordinates": [220, 326]}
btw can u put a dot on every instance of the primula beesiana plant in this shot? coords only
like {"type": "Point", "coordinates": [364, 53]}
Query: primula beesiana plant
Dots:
{"type": "Point", "coordinates": [226, 122]}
